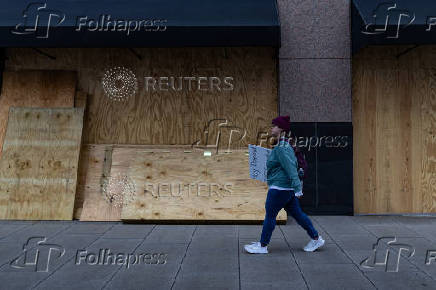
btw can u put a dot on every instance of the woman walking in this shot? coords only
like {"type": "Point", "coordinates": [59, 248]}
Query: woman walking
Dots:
{"type": "Point", "coordinates": [284, 191]}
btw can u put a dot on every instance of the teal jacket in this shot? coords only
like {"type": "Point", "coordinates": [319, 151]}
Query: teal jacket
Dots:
{"type": "Point", "coordinates": [282, 167]}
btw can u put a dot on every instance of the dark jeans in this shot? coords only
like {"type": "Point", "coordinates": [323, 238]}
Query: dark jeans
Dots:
{"type": "Point", "coordinates": [275, 201]}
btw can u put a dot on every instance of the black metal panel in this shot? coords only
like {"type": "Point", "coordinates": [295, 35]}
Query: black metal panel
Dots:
{"type": "Point", "coordinates": [335, 167]}
{"type": "Point", "coordinates": [328, 147]}
{"type": "Point", "coordinates": [300, 131]}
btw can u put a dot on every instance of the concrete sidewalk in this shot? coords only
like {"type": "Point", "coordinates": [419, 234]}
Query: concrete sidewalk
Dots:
{"type": "Point", "coordinates": [83, 255]}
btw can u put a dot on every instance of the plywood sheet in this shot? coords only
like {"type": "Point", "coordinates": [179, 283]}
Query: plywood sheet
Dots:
{"type": "Point", "coordinates": [35, 88]}
{"type": "Point", "coordinates": [394, 123]}
{"type": "Point", "coordinates": [94, 169]}
{"type": "Point", "coordinates": [80, 100]}
{"type": "Point", "coordinates": [38, 169]}
{"type": "Point", "coordinates": [180, 183]}
{"type": "Point", "coordinates": [182, 115]}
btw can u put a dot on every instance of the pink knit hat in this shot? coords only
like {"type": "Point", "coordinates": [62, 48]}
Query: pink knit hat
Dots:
{"type": "Point", "coordinates": [282, 122]}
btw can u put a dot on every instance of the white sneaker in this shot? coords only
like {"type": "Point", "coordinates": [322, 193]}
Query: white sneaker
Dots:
{"type": "Point", "coordinates": [314, 244]}
{"type": "Point", "coordinates": [253, 244]}
{"type": "Point", "coordinates": [256, 248]}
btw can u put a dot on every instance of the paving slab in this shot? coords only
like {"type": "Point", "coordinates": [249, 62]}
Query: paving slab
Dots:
{"type": "Point", "coordinates": [170, 236]}
{"type": "Point", "coordinates": [89, 272]}
{"type": "Point", "coordinates": [27, 277]}
{"type": "Point", "coordinates": [151, 276]}
{"type": "Point", "coordinates": [415, 220]}
{"type": "Point", "coordinates": [296, 284]}
{"type": "Point", "coordinates": [7, 229]}
{"type": "Point", "coordinates": [401, 280]}
{"type": "Point", "coordinates": [42, 229]}
{"type": "Point", "coordinates": [207, 280]}
{"type": "Point", "coordinates": [121, 231]}
{"type": "Point", "coordinates": [374, 220]}
{"type": "Point", "coordinates": [254, 232]}
{"type": "Point", "coordinates": [328, 254]}
{"type": "Point", "coordinates": [8, 251]}
{"type": "Point", "coordinates": [213, 256]}
{"type": "Point", "coordinates": [355, 241]}
{"type": "Point", "coordinates": [335, 276]}
{"type": "Point", "coordinates": [392, 230]}
{"type": "Point", "coordinates": [359, 256]}
{"type": "Point", "coordinates": [90, 227]}
{"type": "Point", "coordinates": [298, 237]}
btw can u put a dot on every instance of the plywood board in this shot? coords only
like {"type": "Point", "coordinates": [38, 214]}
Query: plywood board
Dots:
{"type": "Point", "coordinates": [38, 169]}
{"type": "Point", "coordinates": [35, 88]}
{"type": "Point", "coordinates": [92, 174]}
{"type": "Point", "coordinates": [168, 117]}
{"type": "Point", "coordinates": [183, 115]}
{"type": "Point", "coordinates": [394, 123]}
{"type": "Point", "coordinates": [180, 183]}
{"type": "Point", "coordinates": [80, 100]}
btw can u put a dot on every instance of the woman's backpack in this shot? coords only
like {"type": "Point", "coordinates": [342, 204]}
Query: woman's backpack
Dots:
{"type": "Point", "coordinates": [302, 164]}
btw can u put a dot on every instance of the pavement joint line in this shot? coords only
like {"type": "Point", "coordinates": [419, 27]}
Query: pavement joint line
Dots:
{"type": "Point", "coordinates": [183, 258]}
{"type": "Point", "coordinates": [293, 256]}
{"type": "Point", "coordinates": [239, 259]}
{"type": "Point", "coordinates": [395, 250]}
{"type": "Point", "coordinates": [63, 264]}
{"type": "Point", "coordinates": [395, 223]}
{"type": "Point", "coordinates": [346, 254]}
{"type": "Point", "coordinates": [410, 262]}
{"type": "Point", "coordinates": [67, 226]}
{"type": "Point", "coordinates": [356, 223]}
{"type": "Point", "coordinates": [352, 221]}
{"type": "Point", "coordinates": [422, 236]}
{"type": "Point", "coordinates": [55, 234]}
{"type": "Point", "coordinates": [119, 268]}
{"type": "Point", "coordinates": [17, 230]}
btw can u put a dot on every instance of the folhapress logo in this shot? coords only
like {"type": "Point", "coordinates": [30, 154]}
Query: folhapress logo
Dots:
{"type": "Point", "coordinates": [37, 255]}
{"type": "Point", "coordinates": [388, 15]}
{"type": "Point", "coordinates": [37, 20]}
{"type": "Point", "coordinates": [387, 257]}
{"type": "Point", "coordinates": [221, 126]}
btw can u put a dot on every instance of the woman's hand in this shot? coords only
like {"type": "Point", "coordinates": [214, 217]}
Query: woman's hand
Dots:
{"type": "Point", "coordinates": [299, 194]}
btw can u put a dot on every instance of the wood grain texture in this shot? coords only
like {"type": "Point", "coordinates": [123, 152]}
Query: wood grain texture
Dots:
{"type": "Point", "coordinates": [180, 183]}
{"type": "Point", "coordinates": [394, 120]}
{"type": "Point", "coordinates": [35, 88]}
{"type": "Point", "coordinates": [80, 100]}
{"type": "Point", "coordinates": [428, 179]}
{"type": "Point", "coordinates": [364, 147]}
{"type": "Point", "coordinates": [89, 190]}
{"type": "Point", "coordinates": [167, 117]}
{"type": "Point", "coordinates": [38, 169]}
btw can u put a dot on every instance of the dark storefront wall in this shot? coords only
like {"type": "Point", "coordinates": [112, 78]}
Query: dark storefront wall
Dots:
{"type": "Point", "coordinates": [328, 148]}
